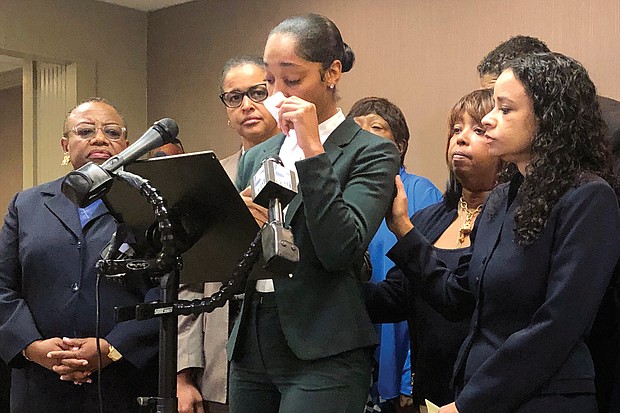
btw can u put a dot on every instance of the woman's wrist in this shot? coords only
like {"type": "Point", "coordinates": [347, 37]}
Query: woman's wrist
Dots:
{"type": "Point", "coordinates": [404, 227]}
{"type": "Point", "coordinates": [313, 148]}
{"type": "Point", "coordinates": [26, 352]}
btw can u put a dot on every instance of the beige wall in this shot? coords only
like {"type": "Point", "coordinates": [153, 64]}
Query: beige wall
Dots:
{"type": "Point", "coordinates": [10, 155]}
{"type": "Point", "coordinates": [420, 54]}
{"type": "Point", "coordinates": [109, 39]}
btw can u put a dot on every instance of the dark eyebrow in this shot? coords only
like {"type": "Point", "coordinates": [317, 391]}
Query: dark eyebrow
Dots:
{"type": "Point", "coordinates": [284, 64]}
{"type": "Point", "coordinates": [237, 90]}
{"type": "Point", "coordinates": [504, 99]}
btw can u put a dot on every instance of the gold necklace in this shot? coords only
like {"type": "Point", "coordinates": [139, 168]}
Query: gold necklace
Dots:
{"type": "Point", "coordinates": [470, 216]}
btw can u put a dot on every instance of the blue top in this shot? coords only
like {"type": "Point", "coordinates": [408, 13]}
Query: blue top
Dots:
{"type": "Point", "coordinates": [393, 352]}
{"type": "Point", "coordinates": [87, 213]}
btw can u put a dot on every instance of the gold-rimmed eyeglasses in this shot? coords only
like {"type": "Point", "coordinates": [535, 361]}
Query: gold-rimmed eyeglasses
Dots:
{"type": "Point", "coordinates": [87, 131]}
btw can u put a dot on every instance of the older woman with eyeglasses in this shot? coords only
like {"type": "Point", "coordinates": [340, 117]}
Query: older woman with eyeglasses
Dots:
{"type": "Point", "coordinates": [48, 317]}
{"type": "Point", "coordinates": [243, 91]}
{"type": "Point", "coordinates": [202, 366]}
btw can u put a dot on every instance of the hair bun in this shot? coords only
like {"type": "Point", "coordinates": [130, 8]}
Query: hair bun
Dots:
{"type": "Point", "coordinates": [348, 58]}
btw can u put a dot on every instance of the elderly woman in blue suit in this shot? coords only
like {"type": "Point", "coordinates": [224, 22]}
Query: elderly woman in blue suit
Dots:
{"type": "Point", "coordinates": [48, 251]}
{"type": "Point", "coordinates": [544, 251]}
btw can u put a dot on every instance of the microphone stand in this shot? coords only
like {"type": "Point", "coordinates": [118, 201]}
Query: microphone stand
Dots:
{"type": "Point", "coordinates": [167, 267]}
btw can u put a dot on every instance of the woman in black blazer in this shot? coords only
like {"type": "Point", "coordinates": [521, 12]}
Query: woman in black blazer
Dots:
{"type": "Point", "coordinates": [447, 225]}
{"type": "Point", "coordinates": [544, 250]}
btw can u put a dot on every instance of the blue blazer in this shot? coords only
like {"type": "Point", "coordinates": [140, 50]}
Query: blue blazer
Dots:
{"type": "Point", "coordinates": [533, 306]}
{"type": "Point", "coordinates": [343, 196]}
{"type": "Point", "coordinates": [47, 289]}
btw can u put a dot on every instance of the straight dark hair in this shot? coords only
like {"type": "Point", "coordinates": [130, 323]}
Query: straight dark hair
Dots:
{"type": "Point", "coordinates": [318, 40]}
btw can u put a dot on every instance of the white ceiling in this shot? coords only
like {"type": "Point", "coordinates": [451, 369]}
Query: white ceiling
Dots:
{"type": "Point", "coordinates": [146, 5]}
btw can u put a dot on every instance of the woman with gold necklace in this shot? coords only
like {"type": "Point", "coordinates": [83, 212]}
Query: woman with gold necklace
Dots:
{"type": "Point", "coordinates": [448, 224]}
{"type": "Point", "coordinates": [544, 250]}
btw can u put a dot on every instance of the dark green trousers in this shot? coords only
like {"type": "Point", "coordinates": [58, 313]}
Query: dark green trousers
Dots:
{"type": "Point", "coordinates": [268, 378]}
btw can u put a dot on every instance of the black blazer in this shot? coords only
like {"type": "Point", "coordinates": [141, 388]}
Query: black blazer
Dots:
{"type": "Point", "coordinates": [343, 196]}
{"type": "Point", "coordinates": [47, 289]}
{"type": "Point", "coordinates": [435, 341]}
{"type": "Point", "coordinates": [533, 306]}
{"type": "Point", "coordinates": [610, 109]}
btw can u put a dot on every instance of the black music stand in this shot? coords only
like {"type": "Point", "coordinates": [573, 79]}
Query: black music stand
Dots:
{"type": "Point", "coordinates": [212, 229]}
{"type": "Point", "coordinates": [214, 225]}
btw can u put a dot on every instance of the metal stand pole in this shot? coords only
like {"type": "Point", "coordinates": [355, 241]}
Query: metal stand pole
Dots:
{"type": "Point", "coordinates": [167, 400]}
{"type": "Point", "coordinates": [169, 263]}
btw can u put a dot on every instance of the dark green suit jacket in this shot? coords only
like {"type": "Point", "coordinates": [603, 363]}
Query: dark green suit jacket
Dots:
{"type": "Point", "coordinates": [343, 196]}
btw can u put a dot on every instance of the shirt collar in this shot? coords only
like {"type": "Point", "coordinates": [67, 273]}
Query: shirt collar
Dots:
{"type": "Point", "coordinates": [87, 212]}
{"type": "Point", "coordinates": [329, 125]}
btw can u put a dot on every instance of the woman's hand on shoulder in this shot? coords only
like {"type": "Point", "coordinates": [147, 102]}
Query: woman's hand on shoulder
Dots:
{"type": "Point", "coordinates": [397, 217]}
{"type": "Point", "coordinates": [300, 115]}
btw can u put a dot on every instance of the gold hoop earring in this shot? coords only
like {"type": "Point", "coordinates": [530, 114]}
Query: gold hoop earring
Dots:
{"type": "Point", "coordinates": [66, 159]}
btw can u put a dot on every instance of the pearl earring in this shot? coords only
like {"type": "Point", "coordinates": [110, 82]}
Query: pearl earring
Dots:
{"type": "Point", "coordinates": [66, 159]}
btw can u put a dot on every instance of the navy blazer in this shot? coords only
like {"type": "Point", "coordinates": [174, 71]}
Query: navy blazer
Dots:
{"type": "Point", "coordinates": [343, 196]}
{"type": "Point", "coordinates": [47, 289]}
{"type": "Point", "coordinates": [610, 109]}
{"type": "Point", "coordinates": [533, 306]}
{"type": "Point", "coordinates": [435, 341]}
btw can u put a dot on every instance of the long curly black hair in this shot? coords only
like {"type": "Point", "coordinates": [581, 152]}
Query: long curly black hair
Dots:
{"type": "Point", "coordinates": [570, 138]}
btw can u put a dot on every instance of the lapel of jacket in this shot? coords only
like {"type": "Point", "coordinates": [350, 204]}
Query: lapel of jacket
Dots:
{"type": "Point", "coordinates": [272, 146]}
{"type": "Point", "coordinates": [495, 232]}
{"type": "Point", "coordinates": [62, 207]}
{"type": "Point", "coordinates": [340, 137]}
{"type": "Point", "coordinates": [496, 224]}
{"type": "Point", "coordinates": [231, 165]}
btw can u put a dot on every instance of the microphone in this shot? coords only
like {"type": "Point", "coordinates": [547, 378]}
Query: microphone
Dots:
{"type": "Point", "coordinates": [274, 186]}
{"type": "Point", "coordinates": [91, 181]}
{"type": "Point", "coordinates": [162, 132]}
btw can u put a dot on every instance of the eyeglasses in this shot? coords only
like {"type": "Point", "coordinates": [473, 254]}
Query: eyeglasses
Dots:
{"type": "Point", "coordinates": [234, 99]}
{"type": "Point", "coordinates": [112, 132]}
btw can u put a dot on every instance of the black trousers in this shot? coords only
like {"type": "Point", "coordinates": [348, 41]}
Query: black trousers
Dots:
{"type": "Point", "coordinates": [268, 378]}
{"type": "Point", "coordinates": [5, 386]}
{"type": "Point", "coordinates": [36, 389]}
